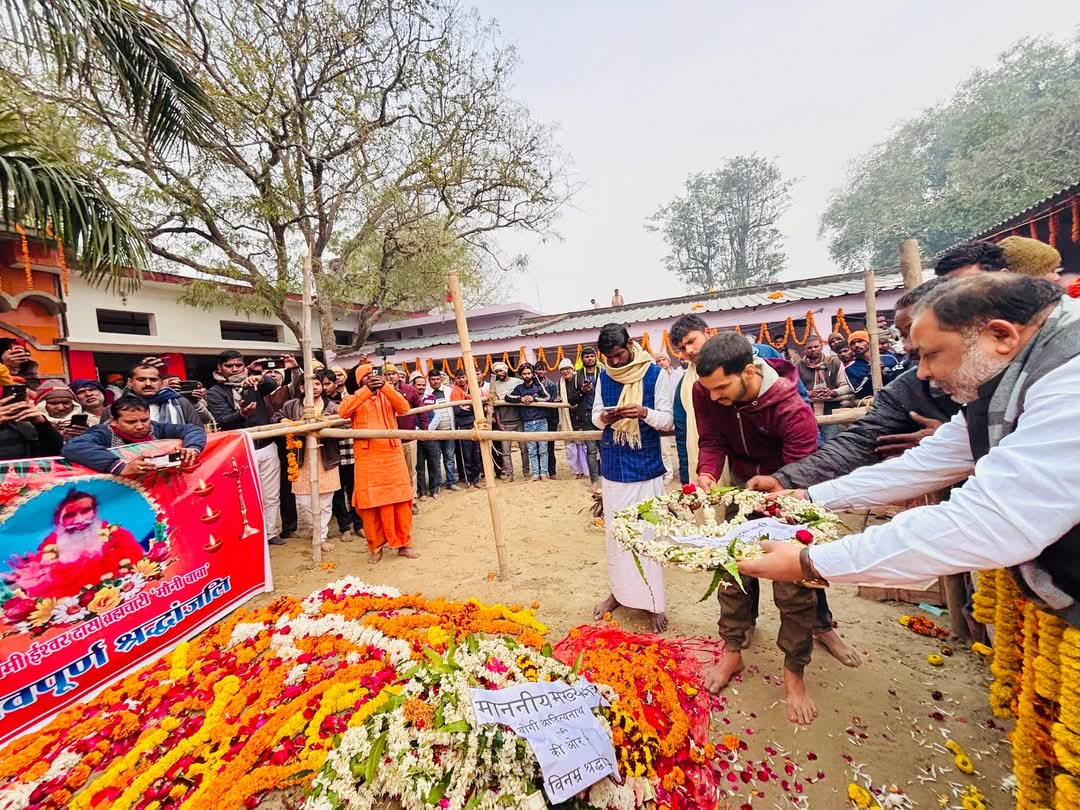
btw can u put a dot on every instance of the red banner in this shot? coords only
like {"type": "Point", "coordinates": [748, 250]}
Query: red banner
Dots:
{"type": "Point", "coordinates": [99, 573]}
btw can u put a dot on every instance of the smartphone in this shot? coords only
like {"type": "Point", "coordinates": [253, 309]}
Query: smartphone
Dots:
{"type": "Point", "coordinates": [269, 365]}
{"type": "Point", "coordinates": [78, 419]}
{"type": "Point", "coordinates": [170, 460]}
{"type": "Point", "coordinates": [187, 386]}
{"type": "Point", "coordinates": [17, 391]}
{"type": "Point", "coordinates": [377, 371]}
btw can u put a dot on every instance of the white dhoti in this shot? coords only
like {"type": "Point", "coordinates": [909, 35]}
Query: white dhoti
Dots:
{"type": "Point", "coordinates": [627, 584]}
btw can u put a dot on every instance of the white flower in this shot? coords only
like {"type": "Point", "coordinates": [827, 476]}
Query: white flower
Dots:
{"type": "Point", "coordinates": [68, 610]}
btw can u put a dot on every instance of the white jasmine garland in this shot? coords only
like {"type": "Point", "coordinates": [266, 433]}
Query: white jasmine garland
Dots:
{"type": "Point", "coordinates": [655, 527]}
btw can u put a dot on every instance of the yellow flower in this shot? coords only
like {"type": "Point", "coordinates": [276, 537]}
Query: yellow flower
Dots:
{"type": "Point", "coordinates": [436, 635]}
{"type": "Point", "coordinates": [935, 660]}
{"type": "Point", "coordinates": [105, 600]}
{"type": "Point", "coordinates": [861, 797]}
{"type": "Point", "coordinates": [981, 649]}
{"type": "Point", "coordinates": [148, 568]}
{"type": "Point", "coordinates": [43, 612]}
{"type": "Point", "coordinates": [963, 764]}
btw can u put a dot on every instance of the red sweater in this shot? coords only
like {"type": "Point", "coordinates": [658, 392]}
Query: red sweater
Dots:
{"type": "Point", "coordinates": [758, 437]}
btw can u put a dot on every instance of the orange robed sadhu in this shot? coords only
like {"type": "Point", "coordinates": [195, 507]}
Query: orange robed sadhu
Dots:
{"type": "Point", "coordinates": [382, 491]}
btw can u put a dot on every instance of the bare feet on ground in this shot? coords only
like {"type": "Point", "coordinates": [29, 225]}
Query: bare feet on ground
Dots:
{"type": "Point", "coordinates": [838, 648]}
{"type": "Point", "coordinates": [748, 639]}
{"type": "Point", "coordinates": [326, 546]}
{"type": "Point", "coordinates": [801, 708]}
{"type": "Point", "coordinates": [375, 556]}
{"type": "Point", "coordinates": [607, 606]}
{"type": "Point", "coordinates": [718, 675]}
{"type": "Point", "coordinates": [408, 553]}
{"type": "Point", "coordinates": [658, 622]}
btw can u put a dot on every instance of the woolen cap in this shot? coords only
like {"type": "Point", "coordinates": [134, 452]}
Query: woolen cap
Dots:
{"type": "Point", "coordinates": [1029, 257]}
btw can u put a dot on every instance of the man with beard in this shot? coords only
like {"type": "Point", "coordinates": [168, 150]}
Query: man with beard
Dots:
{"type": "Point", "coordinates": [826, 381]}
{"type": "Point", "coordinates": [1007, 347]}
{"type": "Point", "coordinates": [407, 421]}
{"type": "Point", "coordinates": [632, 406]}
{"type": "Point", "coordinates": [91, 396]}
{"type": "Point", "coordinates": [508, 418]}
{"type": "Point", "coordinates": [581, 395]}
{"type": "Point", "coordinates": [858, 370]}
{"type": "Point", "coordinates": [81, 549]}
{"type": "Point", "coordinates": [837, 342]}
{"type": "Point", "coordinates": [904, 413]}
{"type": "Point", "coordinates": [552, 414]}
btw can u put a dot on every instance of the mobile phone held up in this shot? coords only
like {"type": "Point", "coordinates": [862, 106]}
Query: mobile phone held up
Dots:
{"type": "Point", "coordinates": [377, 371]}
{"type": "Point", "coordinates": [170, 460]}
{"type": "Point", "coordinates": [16, 391]}
{"type": "Point", "coordinates": [79, 419]}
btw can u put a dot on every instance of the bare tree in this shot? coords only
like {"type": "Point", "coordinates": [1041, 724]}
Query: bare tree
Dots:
{"type": "Point", "coordinates": [378, 135]}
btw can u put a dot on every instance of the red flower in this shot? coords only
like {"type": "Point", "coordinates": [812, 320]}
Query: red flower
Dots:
{"type": "Point", "coordinates": [688, 489]}
{"type": "Point", "coordinates": [159, 552]}
{"type": "Point", "coordinates": [804, 536]}
{"type": "Point", "coordinates": [86, 597]}
{"type": "Point", "coordinates": [18, 608]}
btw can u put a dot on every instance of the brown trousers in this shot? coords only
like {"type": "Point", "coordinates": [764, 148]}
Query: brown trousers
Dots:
{"type": "Point", "coordinates": [798, 608]}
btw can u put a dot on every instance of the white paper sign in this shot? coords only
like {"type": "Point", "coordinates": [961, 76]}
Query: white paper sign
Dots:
{"type": "Point", "coordinates": [557, 721]}
{"type": "Point", "coordinates": [749, 532]}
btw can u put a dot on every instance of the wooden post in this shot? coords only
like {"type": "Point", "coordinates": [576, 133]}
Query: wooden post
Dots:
{"type": "Point", "coordinates": [910, 263]}
{"type": "Point", "coordinates": [871, 328]}
{"type": "Point", "coordinates": [480, 416]}
{"type": "Point", "coordinates": [311, 440]}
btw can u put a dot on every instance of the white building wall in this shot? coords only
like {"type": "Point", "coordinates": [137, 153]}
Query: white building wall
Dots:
{"type": "Point", "coordinates": [175, 327]}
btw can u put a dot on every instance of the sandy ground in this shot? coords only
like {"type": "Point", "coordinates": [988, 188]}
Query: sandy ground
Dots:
{"type": "Point", "coordinates": [881, 719]}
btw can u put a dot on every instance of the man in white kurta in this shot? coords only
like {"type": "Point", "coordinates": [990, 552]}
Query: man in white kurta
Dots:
{"type": "Point", "coordinates": [633, 404]}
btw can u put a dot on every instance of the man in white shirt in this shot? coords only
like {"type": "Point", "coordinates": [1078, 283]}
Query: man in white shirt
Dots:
{"type": "Point", "coordinates": [1008, 348]}
{"type": "Point", "coordinates": [671, 375]}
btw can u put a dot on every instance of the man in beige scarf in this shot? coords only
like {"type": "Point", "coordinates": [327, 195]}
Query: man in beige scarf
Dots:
{"type": "Point", "coordinates": [632, 406]}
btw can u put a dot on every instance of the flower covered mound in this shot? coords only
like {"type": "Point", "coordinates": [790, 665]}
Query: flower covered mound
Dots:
{"type": "Point", "coordinates": [676, 528]}
{"type": "Point", "coordinates": [356, 694]}
{"type": "Point", "coordinates": [424, 747]}
{"type": "Point", "coordinates": [255, 704]}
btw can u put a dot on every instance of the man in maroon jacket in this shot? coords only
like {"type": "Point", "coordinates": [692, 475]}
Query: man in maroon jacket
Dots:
{"type": "Point", "coordinates": [409, 421]}
{"type": "Point", "coordinates": [750, 415]}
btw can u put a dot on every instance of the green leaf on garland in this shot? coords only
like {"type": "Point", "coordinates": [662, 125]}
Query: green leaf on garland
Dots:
{"type": "Point", "coordinates": [457, 727]}
{"type": "Point", "coordinates": [718, 577]}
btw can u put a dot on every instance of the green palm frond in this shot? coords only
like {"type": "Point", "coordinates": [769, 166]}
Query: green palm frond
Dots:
{"type": "Point", "coordinates": [144, 59]}
{"type": "Point", "coordinates": [41, 190]}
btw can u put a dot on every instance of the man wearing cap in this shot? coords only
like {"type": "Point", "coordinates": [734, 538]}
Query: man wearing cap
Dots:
{"type": "Point", "coordinates": [91, 396]}
{"type": "Point", "coordinates": [465, 419]}
{"type": "Point", "coordinates": [58, 405]}
{"type": "Point", "coordinates": [581, 396]}
{"type": "Point", "coordinates": [575, 451]}
{"type": "Point", "coordinates": [858, 371]}
{"type": "Point", "coordinates": [508, 418]}
{"type": "Point", "coordinates": [432, 451]}
{"type": "Point", "coordinates": [382, 492]}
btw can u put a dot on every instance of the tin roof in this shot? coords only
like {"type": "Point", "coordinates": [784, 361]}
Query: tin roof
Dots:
{"type": "Point", "coordinates": [740, 298]}
{"type": "Point", "coordinates": [1058, 198]}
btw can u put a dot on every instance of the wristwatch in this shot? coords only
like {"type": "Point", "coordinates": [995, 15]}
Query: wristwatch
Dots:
{"type": "Point", "coordinates": [811, 578]}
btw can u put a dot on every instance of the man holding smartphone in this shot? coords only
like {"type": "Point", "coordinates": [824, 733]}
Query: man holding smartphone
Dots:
{"type": "Point", "coordinates": [24, 432]}
{"type": "Point", "coordinates": [632, 405]}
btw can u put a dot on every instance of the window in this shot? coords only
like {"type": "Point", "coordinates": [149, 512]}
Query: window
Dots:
{"type": "Point", "coordinates": [419, 331]}
{"type": "Point", "coordinates": [261, 332]}
{"type": "Point", "coordinates": [124, 323]}
{"type": "Point", "coordinates": [343, 337]}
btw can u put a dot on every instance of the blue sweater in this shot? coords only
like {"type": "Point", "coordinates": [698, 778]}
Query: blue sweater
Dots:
{"type": "Point", "coordinates": [93, 448]}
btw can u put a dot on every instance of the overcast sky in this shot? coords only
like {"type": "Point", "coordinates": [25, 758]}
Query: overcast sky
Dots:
{"type": "Point", "coordinates": [645, 93]}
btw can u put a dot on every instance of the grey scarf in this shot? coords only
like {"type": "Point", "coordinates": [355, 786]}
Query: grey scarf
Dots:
{"type": "Point", "coordinates": [1056, 343]}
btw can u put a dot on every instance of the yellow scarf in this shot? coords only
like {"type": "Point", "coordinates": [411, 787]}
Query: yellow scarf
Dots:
{"type": "Point", "coordinates": [628, 431]}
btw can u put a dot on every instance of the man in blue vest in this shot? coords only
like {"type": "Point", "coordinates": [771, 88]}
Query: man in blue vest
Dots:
{"type": "Point", "coordinates": [633, 405]}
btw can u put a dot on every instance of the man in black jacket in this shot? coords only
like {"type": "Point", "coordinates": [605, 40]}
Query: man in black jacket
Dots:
{"type": "Point", "coordinates": [581, 393]}
{"type": "Point", "coordinates": [903, 413]}
{"type": "Point", "coordinates": [241, 400]}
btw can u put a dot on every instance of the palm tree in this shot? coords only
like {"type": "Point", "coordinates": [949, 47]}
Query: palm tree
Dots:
{"type": "Point", "coordinates": [145, 64]}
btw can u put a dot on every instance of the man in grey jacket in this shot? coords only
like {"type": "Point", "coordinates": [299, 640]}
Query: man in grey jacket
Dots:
{"type": "Point", "coordinates": [903, 413]}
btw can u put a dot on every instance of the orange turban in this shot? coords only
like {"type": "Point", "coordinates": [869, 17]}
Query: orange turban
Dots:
{"type": "Point", "coordinates": [860, 334]}
{"type": "Point", "coordinates": [363, 370]}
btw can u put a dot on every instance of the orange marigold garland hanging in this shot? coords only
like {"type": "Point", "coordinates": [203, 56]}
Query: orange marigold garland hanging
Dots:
{"type": "Point", "coordinates": [24, 245]}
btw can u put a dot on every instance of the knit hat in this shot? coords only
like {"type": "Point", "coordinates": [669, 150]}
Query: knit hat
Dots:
{"type": "Point", "coordinates": [389, 368]}
{"type": "Point", "coordinates": [565, 363]}
{"type": "Point", "coordinates": [1029, 257]}
{"type": "Point", "coordinates": [338, 370]}
{"type": "Point", "coordinates": [588, 350]}
{"type": "Point", "coordinates": [54, 393]}
{"type": "Point", "coordinates": [859, 334]}
{"type": "Point", "coordinates": [363, 370]}
{"type": "Point", "coordinates": [79, 385]}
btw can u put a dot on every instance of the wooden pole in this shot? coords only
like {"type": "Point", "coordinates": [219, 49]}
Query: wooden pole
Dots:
{"type": "Point", "coordinates": [910, 263]}
{"type": "Point", "coordinates": [479, 414]}
{"type": "Point", "coordinates": [311, 440]}
{"type": "Point", "coordinates": [870, 283]}
{"type": "Point", "coordinates": [498, 403]}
